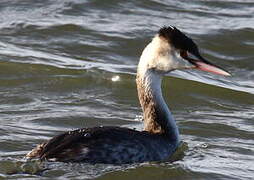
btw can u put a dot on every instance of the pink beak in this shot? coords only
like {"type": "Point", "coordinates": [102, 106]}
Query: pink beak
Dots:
{"type": "Point", "coordinates": [202, 64]}
{"type": "Point", "coordinates": [210, 68]}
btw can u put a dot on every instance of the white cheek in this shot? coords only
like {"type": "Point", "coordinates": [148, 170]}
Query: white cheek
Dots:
{"type": "Point", "coordinates": [165, 64]}
{"type": "Point", "coordinates": [168, 62]}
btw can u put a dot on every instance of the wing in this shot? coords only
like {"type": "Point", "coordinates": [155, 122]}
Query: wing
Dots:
{"type": "Point", "coordinates": [95, 145]}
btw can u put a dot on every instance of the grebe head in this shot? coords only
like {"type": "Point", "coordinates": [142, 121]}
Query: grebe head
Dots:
{"type": "Point", "coordinates": [170, 49]}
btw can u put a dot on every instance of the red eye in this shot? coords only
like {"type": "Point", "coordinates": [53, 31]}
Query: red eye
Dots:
{"type": "Point", "coordinates": [183, 54]}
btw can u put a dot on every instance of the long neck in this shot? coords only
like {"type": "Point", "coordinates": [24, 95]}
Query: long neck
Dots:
{"type": "Point", "coordinates": [157, 117]}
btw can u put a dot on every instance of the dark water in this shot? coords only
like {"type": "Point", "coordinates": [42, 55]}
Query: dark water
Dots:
{"type": "Point", "coordinates": [66, 64]}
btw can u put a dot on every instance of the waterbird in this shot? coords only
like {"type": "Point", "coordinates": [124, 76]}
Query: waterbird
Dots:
{"type": "Point", "coordinates": [169, 50]}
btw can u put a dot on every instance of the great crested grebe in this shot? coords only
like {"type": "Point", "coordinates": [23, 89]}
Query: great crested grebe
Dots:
{"type": "Point", "coordinates": [169, 50]}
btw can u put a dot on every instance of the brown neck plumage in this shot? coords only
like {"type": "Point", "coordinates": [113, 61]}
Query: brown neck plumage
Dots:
{"type": "Point", "coordinates": [155, 120]}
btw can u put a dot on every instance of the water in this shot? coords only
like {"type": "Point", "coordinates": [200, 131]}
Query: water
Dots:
{"type": "Point", "coordinates": [67, 64]}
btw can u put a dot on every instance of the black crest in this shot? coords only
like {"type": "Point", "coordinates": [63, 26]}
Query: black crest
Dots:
{"type": "Point", "coordinates": [179, 40]}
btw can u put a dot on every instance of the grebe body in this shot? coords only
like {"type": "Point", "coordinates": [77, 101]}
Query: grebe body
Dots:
{"type": "Point", "coordinates": [110, 145]}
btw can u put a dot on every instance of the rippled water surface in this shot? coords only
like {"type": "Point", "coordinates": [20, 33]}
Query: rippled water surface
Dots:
{"type": "Point", "coordinates": [66, 64]}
